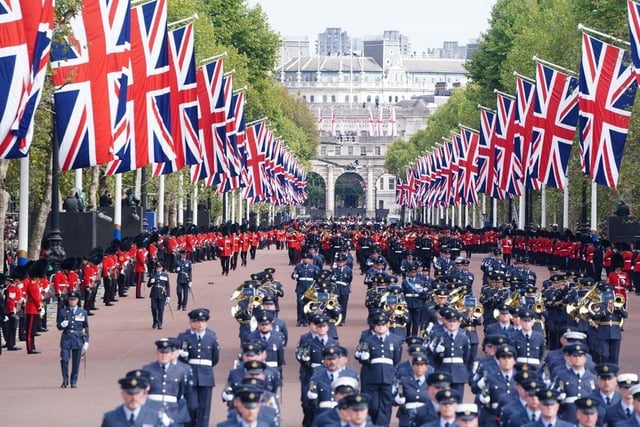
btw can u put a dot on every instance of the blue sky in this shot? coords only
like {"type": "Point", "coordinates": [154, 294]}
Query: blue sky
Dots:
{"type": "Point", "coordinates": [427, 23]}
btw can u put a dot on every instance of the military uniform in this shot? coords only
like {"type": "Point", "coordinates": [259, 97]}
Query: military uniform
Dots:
{"type": "Point", "coordinates": [609, 332]}
{"type": "Point", "coordinates": [159, 294]}
{"type": "Point", "coordinates": [149, 414]}
{"type": "Point", "coordinates": [342, 276]}
{"type": "Point", "coordinates": [183, 281]}
{"type": "Point", "coordinates": [411, 394]}
{"type": "Point", "coordinates": [202, 352]}
{"type": "Point", "coordinates": [74, 324]}
{"type": "Point", "coordinates": [304, 274]}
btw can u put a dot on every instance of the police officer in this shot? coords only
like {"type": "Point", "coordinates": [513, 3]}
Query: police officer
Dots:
{"type": "Point", "coordinates": [183, 281]}
{"type": "Point", "coordinates": [200, 349]}
{"type": "Point", "coordinates": [304, 274]}
{"type": "Point", "coordinates": [168, 384]}
{"type": "Point", "coordinates": [378, 353]}
{"type": "Point", "coordinates": [160, 294]}
{"type": "Point", "coordinates": [74, 341]}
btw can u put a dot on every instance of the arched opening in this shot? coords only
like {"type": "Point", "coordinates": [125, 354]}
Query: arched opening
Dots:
{"type": "Point", "coordinates": [316, 196]}
{"type": "Point", "coordinates": [350, 195]}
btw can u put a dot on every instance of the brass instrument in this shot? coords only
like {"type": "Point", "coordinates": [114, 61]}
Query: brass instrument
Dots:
{"type": "Point", "coordinates": [619, 301]}
{"type": "Point", "coordinates": [457, 295]}
{"type": "Point", "coordinates": [587, 304]}
{"type": "Point", "coordinates": [513, 301]}
{"type": "Point", "coordinates": [311, 293]}
{"type": "Point", "coordinates": [538, 306]}
{"type": "Point", "coordinates": [237, 294]}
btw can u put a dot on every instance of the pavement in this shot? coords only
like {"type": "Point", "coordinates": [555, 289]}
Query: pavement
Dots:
{"type": "Point", "coordinates": [122, 339]}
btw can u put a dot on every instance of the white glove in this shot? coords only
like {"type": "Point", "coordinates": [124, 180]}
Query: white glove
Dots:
{"type": "Point", "coordinates": [440, 348]}
{"type": "Point", "coordinates": [484, 399]}
{"type": "Point", "coordinates": [227, 397]}
{"type": "Point", "coordinates": [6, 319]}
{"type": "Point", "coordinates": [42, 312]}
{"type": "Point", "coordinates": [64, 323]}
{"type": "Point", "coordinates": [400, 400]}
{"type": "Point", "coordinates": [85, 346]}
{"type": "Point", "coordinates": [364, 355]}
{"type": "Point", "coordinates": [482, 383]}
{"type": "Point", "coordinates": [168, 299]}
{"type": "Point", "coordinates": [305, 357]}
{"type": "Point", "coordinates": [189, 283]}
{"type": "Point", "coordinates": [165, 419]}
{"type": "Point", "coordinates": [177, 269]}
{"type": "Point", "coordinates": [183, 353]}
{"type": "Point", "coordinates": [356, 355]}
{"type": "Point", "coordinates": [312, 395]}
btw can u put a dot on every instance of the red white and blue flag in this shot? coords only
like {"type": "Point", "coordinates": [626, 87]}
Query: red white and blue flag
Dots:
{"type": "Point", "coordinates": [607, 91]}
{"type": "Point", "coordinates": [525, 100]}
{"type": "Point", "coordinates": [255, 163]}
{"type": "Point", "coordinates": [14, 73]}
{"type": "Point", "coordinates": [91, 84]}
{"type": "Point", "coordinates": [507, 162]}
{"type": "Point", "coordinates": [184, 105]}
{"type": "Point", "coordinates": [633, 9]}
{"type": "Point", "coordinates": [555, 119]}
{"type": "Point", "coordinates": [469, 164]}
{"type": "Point", "coordinates": [485, 179]}
{"type": "Point", "coordinates": [150, 137]}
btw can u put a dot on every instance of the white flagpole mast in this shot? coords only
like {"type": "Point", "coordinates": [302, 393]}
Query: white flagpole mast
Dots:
{"type": "Point", "coordinates": [117, 207]}
{"type": "Point", "coordinates": [594, 206]}
{"type": "Point", "coordinates": [543, 202]}
{"type": "Point", "coordinates": [565, 204]}
{"type": "Point", "coordinates": [23, 215]}
{"type": "Point", "coordinates": [160, 218]}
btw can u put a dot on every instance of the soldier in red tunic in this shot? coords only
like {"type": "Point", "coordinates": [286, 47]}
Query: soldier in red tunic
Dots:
{"type": "Point", "coordinates": [34, 307]}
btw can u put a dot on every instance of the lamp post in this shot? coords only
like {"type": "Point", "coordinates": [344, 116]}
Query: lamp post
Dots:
{"type": "Point", "coordinates": [56, 252]}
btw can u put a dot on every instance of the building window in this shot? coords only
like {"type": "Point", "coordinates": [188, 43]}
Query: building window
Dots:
{"type": "Point", "coordinates": [304, 98]}
{"type": "Point", "coordinates": [368, 98]}
{"type": "Point", "coordinates": [380, 204]}
{"type": "Point", "coordinates": [323, 150]}
{"type": "Point", "coordinates": [324, 99]}
{"type": "Point", "coordinates": [346, 98]}
{"type": "Point", "coordinates": [392, 183]}
{"type": "Point", "coordinates": [355, 99]}
{"type": "Point", "coordinates": [312, 99]}
{"type": "Point", "coordinates": [363, 150]}
{"type": "Point", "coordinates": [380, 184]}
{"type": "Point", "coordinates": [350, 150]}
{"type": "Point", "coordinates": [333, 99]}
{"type": "Point", "coordinates": [376, 150]}
{"type": "Point", "coordinates": [338, 151]}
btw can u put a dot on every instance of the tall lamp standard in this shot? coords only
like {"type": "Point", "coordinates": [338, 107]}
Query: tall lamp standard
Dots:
{"type": "Point", "coordinates": [56, 252]}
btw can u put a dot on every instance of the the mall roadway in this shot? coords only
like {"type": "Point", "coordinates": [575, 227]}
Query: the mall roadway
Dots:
{"type": "Point", "coordinates": [122, 339]}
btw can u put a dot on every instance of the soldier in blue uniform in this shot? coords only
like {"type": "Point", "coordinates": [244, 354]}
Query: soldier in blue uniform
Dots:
{"type": "Point", "coordinates": [378, 353]}
{"type": "Point", "coordinates": [160, 294]}
{"type": "Point", "coordinates": [467, 415]}
{"type": "Point", "coordinates": [412, 396]}
{"type": "Point", "coordinates": [548, 410]}
{"type": "Point", "coordinates": [309, 355]}
{"type": "Point", "coordinates": [321, 383]}
{"type": "Point", "coordinates": [609, 318]}
{"type": "Point", "coordinates": [279, 325]}
{"type": "Point", "coordinates": [247, 404]}
{"type": "Point", "coordinates": [74, 341]}
{"type": "Point", "coordinates": [516, 415]}
{"type": "Point", "coordinates": [342, 275]}
{"type": "Point", "coordinates": [573, 381]}
{"type": "Point", "coordinates": [415, 296]}
{"type": "Point", "coordinates": [305, 273]}
{"type": "Point", "coordinates": [498, 389]}
{"type": "Point", "coordinates": [607, 393]}
{"type": "Point", "coordinates": [200, 349]}
{"type": "Point", "coordinates": [273, 341]}
{"type": "Point", "coordinates": [183, 281]}
{"type": "Point", "coordinates": [587, 411]}
{"type": "Point", "coordinates": [623, 410]}
{"type": "Point", "coordinates": [342, 387]}
{"type": "Point", "coordinates": [451, 351]}
{"type": "Point", "coordinates": [359, 407]}
{"type": "Point", "coordinates": [136, 410]}
{"type": "Point", "coordinates": [529, 344]}
{"type": "Point", "coordinates": [169, 385]}
{"type": "Point", "coordinates": [448, 401]}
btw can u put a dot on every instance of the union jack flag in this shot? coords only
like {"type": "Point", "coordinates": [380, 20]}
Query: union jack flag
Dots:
{"type": "Point", "coordinates": [507, 162]}
{"type": "Point", "coordinates": [184, 108]}
{"type": "Point", "coordinates": [485, 180]}
{"type": "Point", "coordinates": [209, 87]}
{"type": "Point", "coordinates": [634, 34]}
{"type": "Point", "coordinates": [91, 84]}
{"type": "Point", "coordinates": [401, 192]}
{"type": "Point", "coordinates": [150, 138]}
{"type": "Point", "coordinates": [470, 142]}
{"type": "Point", "coordinates": [525, 100]}
{"type": "Point", "coordinates": [38, 25]}
{"type": "Point", "coordinates": [14, 73]}
{"type": "Point", "coordinates": [555, 119]}
{"type": "Point", "coordinates": [255, 177]}
{"type": "Point", "coordinates": [607, 91]}
{"type": "Point", "coordinates": [230, 180]}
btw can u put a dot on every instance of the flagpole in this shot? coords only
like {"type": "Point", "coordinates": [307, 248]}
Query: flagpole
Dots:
{"type": "Point", "coordinates": [186, 20]}
{"type": "Point", "coordinates": [498, 92]}
{"type": "Point", "coordinates": [468, 128]}
{"type": "Point", "coordinates": [256, 121]}
{"type": "Point", "coordinates": [194, 205]}
{"type": "Point", "coordinates": [565, 204]}
{"type": "Point", "coordinates": [555, 66]}
{"type": "Point", "coordinates": [522, 208]}
{"type": "Point", "coordinates": [543, 207]}
{"type": "Point", "coordinates": [594, 206]}
{"type": "Point", "coordinates": [213, 58]}
{"type": "Point", "coordinates": [117, 207]}
{"type": "Point", "coordinates": [180, 200]}
{"type": "Point", "coordinates": [598, 33]}
{"type": "Point", "coordinates": [23, 211]}
{"type": "Point", "coordinates": [160, 213]}
{"type": "Point", "coordinates": [495, 212]}
{"type": "Point", "coordinates": [529, 79]}
{"type": "Point", "coordinates": [242, 89]}
{"type": "Point", "coordinates": [229, 73]}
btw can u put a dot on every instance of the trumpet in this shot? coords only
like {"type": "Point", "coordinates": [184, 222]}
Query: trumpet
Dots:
{"type": "Point", "coordinates": [619, 301]}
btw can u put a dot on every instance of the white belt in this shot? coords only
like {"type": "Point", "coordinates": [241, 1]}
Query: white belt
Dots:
{"type": "Point", "coordinates": [385, 360]}
{"type": "Point", "coordinates": [330, 404]}
{"type": "Point", "coordinates": [411, 295]}
{"type": "Point", "coordinates": [163, 398]}
{"type": "Point", "coordinates": [341, 283]}
{"type": "Point", "coordinates": [413, 405]}
{"type": "Point", "coordinates": [530, 360]}
{"type": "Point", "coordinates": [305, 278]}
{"type": "Point", "coordinates": [205, 362]}
{"type": "Point", "coordinates": [452, 360]}
{"type": "Point", "coordinates": [316, 365]}
{"type": "Point", "coordinates": [272, 364]}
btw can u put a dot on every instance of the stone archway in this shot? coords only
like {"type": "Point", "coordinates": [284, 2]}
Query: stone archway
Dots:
{"type": "Point", "coordinates": [316, 202]}
{"type": "Point", "coordinates": [350, 196]}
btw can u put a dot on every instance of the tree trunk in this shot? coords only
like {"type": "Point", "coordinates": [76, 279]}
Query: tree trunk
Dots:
{"type": "Point", "coordinates": [93, 188]}
{"type": "Point", "coordinates": [4, 204]}
{"type": "Point", "coordinates": [40, 219]}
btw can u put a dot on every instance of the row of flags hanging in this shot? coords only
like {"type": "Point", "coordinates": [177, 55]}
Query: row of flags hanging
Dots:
{"type": "Point", "coordinates": [376, 127]}
{"type": "Point", "coordinates": [128, 94]}
{"type": "Point", "coordinates": [526, 141]}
